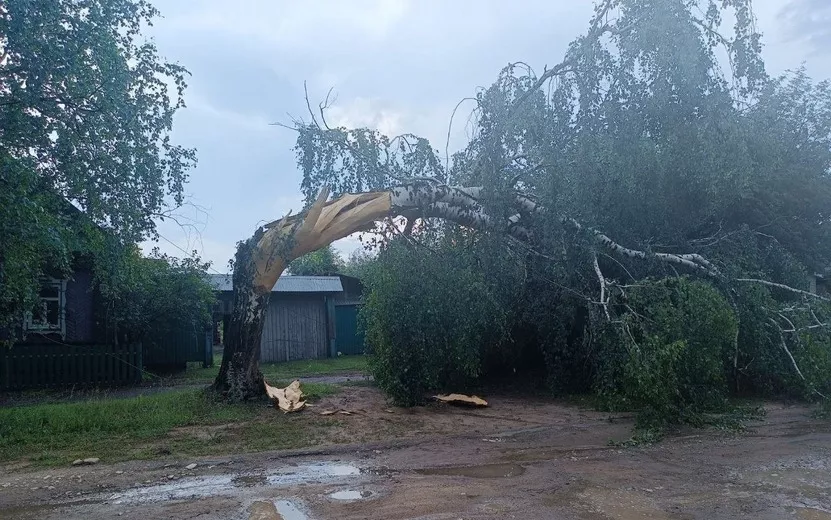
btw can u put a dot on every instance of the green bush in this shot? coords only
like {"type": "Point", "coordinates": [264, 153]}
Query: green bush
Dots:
{"type": "Point", "coordinates": [429, 318]}
{"type": "Point", "coordinates": [670, 353]}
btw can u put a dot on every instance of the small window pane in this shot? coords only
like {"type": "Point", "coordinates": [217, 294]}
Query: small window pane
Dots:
{"type": "Point", "coordinates": [53, 313]}
{"type": "Point", "coordinates": [49, 291]}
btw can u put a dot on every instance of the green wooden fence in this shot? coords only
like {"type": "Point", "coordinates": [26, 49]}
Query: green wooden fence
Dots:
{"type": "Point", "coordinates": [33, 366]}
{"type": "Point", "coordinates": [177, 347]}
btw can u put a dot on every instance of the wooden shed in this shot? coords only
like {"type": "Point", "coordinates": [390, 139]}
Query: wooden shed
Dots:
{"type": "Point", "coordinates": [300, 321]}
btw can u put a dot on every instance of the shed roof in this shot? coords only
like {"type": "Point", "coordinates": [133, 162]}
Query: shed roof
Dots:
{"type": "Point", "coordinates": [288, 283]}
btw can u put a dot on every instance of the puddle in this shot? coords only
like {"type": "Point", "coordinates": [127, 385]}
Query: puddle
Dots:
{"type": "Point", "coordinates": [195, 487]}
{"type": "Point", "coordinates": [277, 510]}
{"type": "Point", "coordinates": [311, 473]}
{"type": "Point", "coordinates": [289, 511]}
{"type": "Point", "coordinates": [204, 486]}
{"type": "Point", "coordinates": [484, 471]}
{"type": "Point", "coordinates": [350, 495]}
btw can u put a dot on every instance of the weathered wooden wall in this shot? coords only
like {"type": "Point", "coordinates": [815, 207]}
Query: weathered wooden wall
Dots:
{"type": "Point", "coordinates": [295, 328]}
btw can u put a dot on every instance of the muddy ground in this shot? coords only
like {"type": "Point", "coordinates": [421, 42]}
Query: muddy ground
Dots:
{"type": "Point", "coordinates": [519, 458]}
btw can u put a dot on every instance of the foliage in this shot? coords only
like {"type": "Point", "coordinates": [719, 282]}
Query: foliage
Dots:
{"type": "Point", "coordinates": [359, 264]}
{"type": "Point", "coordinates": [641, 133]}
{"type": "Point", "coordinates": [156, 295]}
{"type": "Point", "coordinates": [86, 110]}
{"type": "Point", "coordinates": [324, 261]}
{"type": "Point", "coordinates": [34, 235]}
{"type": "Point", "coordinates": [430, 318]}
{"type": "Point", "coordinates": [672, 353]}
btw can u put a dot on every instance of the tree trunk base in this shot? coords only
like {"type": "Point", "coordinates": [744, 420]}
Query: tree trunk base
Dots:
{"type": "Point", "coordinates": [236, 382]}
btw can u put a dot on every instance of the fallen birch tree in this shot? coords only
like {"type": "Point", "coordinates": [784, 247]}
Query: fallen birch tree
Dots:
{"type": "Point", "coordinates": [262, 259]}
{"type": "Point", "coordinates": [635, 158]}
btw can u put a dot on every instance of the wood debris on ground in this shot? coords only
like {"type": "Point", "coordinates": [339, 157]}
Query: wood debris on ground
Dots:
{"type": "Point", "coordinates": [288, 399]}
{"type": "Point", "coordinates": [461, 399]}
{"type": "Point", "coordinates": [333, 412]}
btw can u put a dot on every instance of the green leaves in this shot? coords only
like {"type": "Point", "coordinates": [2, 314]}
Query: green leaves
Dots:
{"type": "Point", "coordinates": [86, 110]}
{"type": "Point", "coordinates": [92, 108]}
{"type": "Point", "coordinates": [642, 132]}
{"type": "Point", "coordinates": [324, 261]}
{"type": "Point", "coordinates": [155, 295]}
{"type": "Point", "coordinates": [430, 321]}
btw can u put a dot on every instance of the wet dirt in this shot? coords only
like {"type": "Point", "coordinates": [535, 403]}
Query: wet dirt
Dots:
{"type": "Point", "coordinates": [519, 458]}
{"type": "Point", "coordinates": [481, 471]}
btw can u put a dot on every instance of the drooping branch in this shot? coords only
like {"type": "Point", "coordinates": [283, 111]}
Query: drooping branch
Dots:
{"type": "Point", "coordinates": [784, 288]}
{"type": "Point", "coordinates": [784, 345]}
{"type": "Point", "coordinates": [602, 279]}
{"type": "Point", "coordinates": [693, 261]}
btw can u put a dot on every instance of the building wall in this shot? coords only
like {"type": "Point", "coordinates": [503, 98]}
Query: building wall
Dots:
{"type": "Point", "coordinates": [295, 327]}
{"type": "Point", "coordinates": [352, 291]}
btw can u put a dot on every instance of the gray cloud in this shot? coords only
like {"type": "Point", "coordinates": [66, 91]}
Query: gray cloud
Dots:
{"type": "Point", "coordinates": [808, 21]}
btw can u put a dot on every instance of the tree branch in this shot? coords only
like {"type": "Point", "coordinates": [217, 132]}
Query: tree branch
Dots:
{"type": "Point", "coordinates": [602, 280]}
{"type": "Point", "coordinates": [783, 287]}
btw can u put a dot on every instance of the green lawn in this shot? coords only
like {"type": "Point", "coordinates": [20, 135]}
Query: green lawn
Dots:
{"type": "Point", "coordinates": [179, 423]}
{"type": "Point", "coordinates": [289, 370]}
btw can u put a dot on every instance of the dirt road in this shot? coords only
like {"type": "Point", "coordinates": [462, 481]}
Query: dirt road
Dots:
{"type": "Point", "coordinates": [515, 459]}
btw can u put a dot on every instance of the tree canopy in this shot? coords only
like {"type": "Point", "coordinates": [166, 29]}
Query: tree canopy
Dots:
{"type": "Point", "coordinates": [86, 110]}
{"type": "Point", "coordinates": [659, 132]}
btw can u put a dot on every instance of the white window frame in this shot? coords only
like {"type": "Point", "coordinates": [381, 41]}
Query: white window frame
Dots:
{"type": "Point", "coordinates": [39, 327]}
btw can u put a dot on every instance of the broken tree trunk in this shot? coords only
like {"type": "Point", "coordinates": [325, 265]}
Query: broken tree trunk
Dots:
{"type": "Point", "coordinates": [261, 259]}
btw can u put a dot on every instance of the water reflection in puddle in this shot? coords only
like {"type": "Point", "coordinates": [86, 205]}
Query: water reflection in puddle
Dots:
{"type": "Point", "coordinates": [276, 510]}
{"type": "Point", "coordinates": [197, 487]}
{"type": "Point", "coordinates": [350, 495]}
{"type": "Point", "coordinates": [312, 473]}
{"type": "Point", "coordinates": [184, 488]}
{"type": "Point", "coordinates": [289, 511]}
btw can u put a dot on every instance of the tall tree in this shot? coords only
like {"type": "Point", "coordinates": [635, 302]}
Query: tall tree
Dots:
{"type": "Point", "coordinates": [86, 109]}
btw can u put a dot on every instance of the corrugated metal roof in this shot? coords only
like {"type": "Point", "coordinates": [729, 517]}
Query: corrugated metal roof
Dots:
{"type": "Point", "coordinates": [288, 283]}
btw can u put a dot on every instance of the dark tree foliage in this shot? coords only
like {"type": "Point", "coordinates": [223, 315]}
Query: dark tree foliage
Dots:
{"type": "Point", "coordinates": [86, 108]}
{"type": "Point", "coordinates": [643, 133]}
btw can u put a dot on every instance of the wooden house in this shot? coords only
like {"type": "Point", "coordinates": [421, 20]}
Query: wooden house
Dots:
{"type": "Point", "coordinates": [66, 340]}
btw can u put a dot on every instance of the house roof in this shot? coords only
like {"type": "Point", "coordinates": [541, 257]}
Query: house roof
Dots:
{"type": "Point", "coordinates": [288, 283]}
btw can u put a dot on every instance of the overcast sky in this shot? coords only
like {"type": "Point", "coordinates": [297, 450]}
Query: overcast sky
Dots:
{"type": "Point", "coordinates": [396, 65]}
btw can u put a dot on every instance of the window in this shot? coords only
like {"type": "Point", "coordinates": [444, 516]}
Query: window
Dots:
{"type": "Point", "coordinates": [50, 314]}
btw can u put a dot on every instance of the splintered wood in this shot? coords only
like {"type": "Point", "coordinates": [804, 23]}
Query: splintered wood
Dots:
{"type": "Point", "coordinates": [288, 399]}
{"type": "Point", "coordinates": [461, 399]}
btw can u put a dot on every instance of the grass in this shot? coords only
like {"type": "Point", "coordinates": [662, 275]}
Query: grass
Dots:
{"type": "Point", "coordinates": [180, 423]}
{"type": "Point", "coordinates": [288, 370]}
{"type": "Point", "coordinates": [823, 410]}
